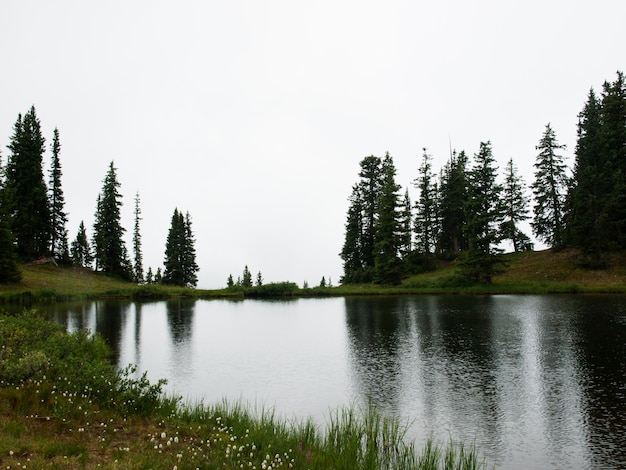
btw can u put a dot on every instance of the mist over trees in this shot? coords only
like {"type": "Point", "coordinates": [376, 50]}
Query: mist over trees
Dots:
{"type": "Point", "coordinates": [470, 208]}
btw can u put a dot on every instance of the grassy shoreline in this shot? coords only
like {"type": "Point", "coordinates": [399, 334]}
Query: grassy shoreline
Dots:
{"type": "Point", "coordinates": [540, 272]}
{"type": "Point", "coordinates": [63, 405]}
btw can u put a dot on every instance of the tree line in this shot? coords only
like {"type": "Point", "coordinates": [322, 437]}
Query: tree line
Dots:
{"type": "Point", "coordinates": [467, 209]}
{"type": "Point", "coordinates": [33, 220]}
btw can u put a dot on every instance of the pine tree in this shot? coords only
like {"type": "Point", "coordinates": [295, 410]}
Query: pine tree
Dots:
{"type": "Point", "coordinates": [180, 257]}
{"type": "Point", "coordinates": [158, 277]}
{"type": "Point", "coordinates": [405, 226]}
{"type": "Point", "coordinates": [9, 271]}
{"type": "Point", "coordinates": [351, 251]}
{"type": "Point", "coordinates": [138, 265]}
{"type": "Point", "coordinates": [426, 208]}
{"type": "Point", "coordinates": [259, 279]}
{"type": "Point", "coordinates": [149, 276]}
{"type": "Point", "coordinates": [388, 268]}
{"type": "Point", "coordinates": [549, 190]}
{"type": "Point", "coordinates": [323, 282]}
{"type": "Point", "coordinates": [26, 194]}
{"type": "Point", "coordinates": [484, 214]}
{"type": "Point", "coordinates": [371, 175]}
{"type": "Point", "coordinates": [515, 204]}
{"type": "Point", "coordinates": [453, 193]}
{"type": "Point", "coordinates": [247, 277]}
{"type": "Point", "coordinates": [190, 267]}
{"type": "Point", "coordinates": [109, 248]}
{"type": "Point", "coordinates": [230, 283]}
{"type": "Point", "coordinates": [80, 251]}
{"type": "Point", "coordinates": [59, 247]}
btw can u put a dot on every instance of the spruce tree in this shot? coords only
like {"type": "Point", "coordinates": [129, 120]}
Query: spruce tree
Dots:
{"type": "Point", "coordinates": [549, 190]}
{"type": "Point", "coordinates": [180, 257]}
{"type": "Point", "coordinates": [370, 185]}
{"type": "Point", "coordinates": [174, 246]}
{"type": "Point", "coordinates": [9, 270]}
{"type": "Point", "coordinates": [259, 279]}
{"type": "Point", "coordinates": [59, 247]}
{"type": "Point", "coordinates": [515, 204]}
{"type": "Point", "coordinates": [426, 207]}
{"type": "Point", "coordinates": [351, 250]}
{"type": "Point", "coordinates": [190, 266]}
{"type": "Point", "coordinates": [109, 248]}
{"type": "Point", "coordinates": [484, 215]}
{"type": "Point", "coordinates": [26, 194]}
{"type": "Point", "coordinates": [453, 194]}
{"type": "Point", "coordinates": [138, 264]}
{"type": "Point", "coordinates": [406, 226]}
{"type": "Point", "coordinates": [247, 277]}
{"type": "Point", "coordinates": [388, 268]}
{"type": "Point", "coordinates": [80, 250]}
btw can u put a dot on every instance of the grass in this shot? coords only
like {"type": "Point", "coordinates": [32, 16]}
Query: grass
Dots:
{"type": "Point", "coordinates": [537, 272]}
{"type": "Point", "coordinates": [63, 405]}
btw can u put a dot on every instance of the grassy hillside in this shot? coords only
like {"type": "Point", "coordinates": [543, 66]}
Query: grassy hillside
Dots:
{"type": "Point", "coordinates": [47, 281]}
{"type": "Point", "coordinates": [532, 272]}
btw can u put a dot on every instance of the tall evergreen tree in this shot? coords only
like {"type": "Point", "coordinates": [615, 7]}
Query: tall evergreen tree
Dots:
{"type": "Point", "coordinates": [426, 207]}
{"type": "Point", "coordinates": [587, 218]}
{"type": "Point", "coordinates": [26, 194]}
{"type": "Point", "coordinates": [59, 247]}
{"type": "Point", "coordinates": [138, 264]}
{"type": "Point", "coordinates": [351, 250]}
{"type": "Point", "coordinates": [247, 277]}
{"type": "Point", "coordinates": [180, 264]}
{"type": "Point", "coordinates": [515, 204]}
{"type": "Point", "coordinates": [406, 226]}
{"type": "Point", "coordinates": [190, 267]}
{"type": "Point", "coordinates": [453, 193]}
{"type": "Point", "coordinates": [388, 268]}
{"type": "Point", "coordinates": [80, 250]}
{"type": "Point", "coordinates": [549, 190]}
{"type": "Point", "coordinates": [109, 248]}
{"type": "Point", "coordinates": [370, 185]}
{"type": "Point", "coordinates": [484, 215]}
{"type": "Point", "coordinates": [9, 271]}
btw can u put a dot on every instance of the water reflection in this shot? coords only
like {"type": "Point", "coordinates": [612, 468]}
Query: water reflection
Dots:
{"type": "Point", "coordinates": [535, 381]}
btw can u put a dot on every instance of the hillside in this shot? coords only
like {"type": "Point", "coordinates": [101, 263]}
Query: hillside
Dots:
{"type": "Point", "coordinates": [530, 272]}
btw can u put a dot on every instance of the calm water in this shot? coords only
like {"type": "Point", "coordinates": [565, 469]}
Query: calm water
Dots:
{"type": "Point", "coordinates": [535, 381]}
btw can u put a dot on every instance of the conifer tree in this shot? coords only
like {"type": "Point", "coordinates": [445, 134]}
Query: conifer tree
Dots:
{"type": "Point", "coordinates": [259, 279]}
{"type": "Point", "coordinates": [247, 277]}
{"type": "Point", "coordinates": [180, 262]}
{"type": "Point", "coordinates": [230, 283]}
{"type": "Point", "coordinates": [59, 247]}
{"type": "Point", "coordinates": [388, 268]}
{"type": "Point", "coordinates": [549, 190]}
{"type": "Point", "coordinates": [453, 193]}
{"type": "Point", "coordinates": [149, 276]}
{"type": "Point", "coordinates": [406, 226]}
{"type": "Point", "coordinates": [26, 194]}
{"type": "Point", "coordinates": [370, 185]}
{"type": "Point", "coordinates": [515, 205]}
{"type": "Point", "coordinates": [9, 270]}
{"type": "Point", "coordinates": [109, 248]}
{"type": "Point", "coordinates": [426, 208]}
{"type": "Point", "coordinates": [351, 251]}
{"type": "Point", "coordinates": [484, 215]}
{"type": "Point", "coordinates": [138, 264]}
{"type": "Point", "coordinates": [80, 250]}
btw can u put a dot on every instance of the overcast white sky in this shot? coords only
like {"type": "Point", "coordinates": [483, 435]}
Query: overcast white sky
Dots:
{"type": "Point", "coordinates": [254, 115]}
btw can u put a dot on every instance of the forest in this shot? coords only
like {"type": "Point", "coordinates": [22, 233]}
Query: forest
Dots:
{"type": "Point", "coordinates": [464, 212]}
{"type": "Point", "coordinates": [467, 210]}
{"type": "Point", "coordinates": [33, 219]}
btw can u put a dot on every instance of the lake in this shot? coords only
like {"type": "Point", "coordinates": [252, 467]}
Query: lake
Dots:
{"type": "Point", "coordinates": [533, 381]}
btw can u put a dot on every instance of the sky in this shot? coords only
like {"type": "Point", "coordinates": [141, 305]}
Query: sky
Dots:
{"type": "Point", "coordinates": [253, 116]}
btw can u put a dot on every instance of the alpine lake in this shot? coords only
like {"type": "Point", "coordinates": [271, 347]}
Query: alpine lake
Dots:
{"type": "Point", "coordinates": [534, 382]}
